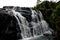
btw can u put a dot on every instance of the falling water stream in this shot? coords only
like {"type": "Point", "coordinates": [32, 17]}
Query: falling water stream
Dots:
{"type": "Point", "coordinates": [38, 25]}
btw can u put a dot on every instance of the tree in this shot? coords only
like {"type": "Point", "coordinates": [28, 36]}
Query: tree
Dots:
{"type": "Point", "coordinates": [56, 17]}
{"type": "Point", "coordinates": [51, 13]}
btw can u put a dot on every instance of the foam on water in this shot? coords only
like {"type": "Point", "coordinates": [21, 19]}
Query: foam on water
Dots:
{"type": "Point", "coordinates": [39, 25]}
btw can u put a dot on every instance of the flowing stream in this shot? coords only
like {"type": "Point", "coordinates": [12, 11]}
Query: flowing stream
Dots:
{"type": "Point", "coordinates": [33, 29]}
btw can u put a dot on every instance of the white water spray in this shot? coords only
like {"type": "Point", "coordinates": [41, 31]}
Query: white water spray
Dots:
{"type": "Point", "coordinates": [39, 25]}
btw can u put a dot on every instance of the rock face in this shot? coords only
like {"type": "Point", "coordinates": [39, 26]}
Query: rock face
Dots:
{"type": "Point", "coordinates": [8, 26]}
{"type": "Point", "coordinates": [26, 12]}
{"type": "Point", "coordinates": [20, 22]}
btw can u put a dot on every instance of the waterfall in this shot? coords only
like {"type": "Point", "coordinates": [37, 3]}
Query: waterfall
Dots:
{"type": "Point", "coordinates": [37, 27]}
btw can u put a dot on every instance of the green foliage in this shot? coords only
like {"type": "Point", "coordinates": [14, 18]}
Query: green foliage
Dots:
{"type": "Point", "coordinates": [46, 8]}
{"type": "Point", "coordinates": [51, 13]}
{"type": "Point", "coordinates": [56, 17]}
{"type": "Point", "coordinates": [46, 5]}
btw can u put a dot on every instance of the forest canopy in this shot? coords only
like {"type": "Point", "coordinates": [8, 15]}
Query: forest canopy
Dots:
{"type": "Point", "coordinates": [51, 13]}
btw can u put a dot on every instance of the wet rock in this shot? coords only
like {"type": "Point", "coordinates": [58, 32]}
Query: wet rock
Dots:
{"type": "Point", "coordinates": [8, 26]}
{"type": "Point", "coordinates": [26, 12]}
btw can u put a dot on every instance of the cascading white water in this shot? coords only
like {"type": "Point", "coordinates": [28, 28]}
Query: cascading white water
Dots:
{"type": "Point", "coordinates": [39, 25]}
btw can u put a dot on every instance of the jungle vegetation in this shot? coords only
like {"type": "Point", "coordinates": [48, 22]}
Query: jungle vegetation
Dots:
{"type": "Point", "coordinates": [51, 13]}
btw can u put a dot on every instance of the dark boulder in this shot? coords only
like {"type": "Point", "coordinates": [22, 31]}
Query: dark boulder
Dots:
{"type": "Point", "coordinates": [9, 27]}
{"type": "Point", "coordinates": [26, 12]}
